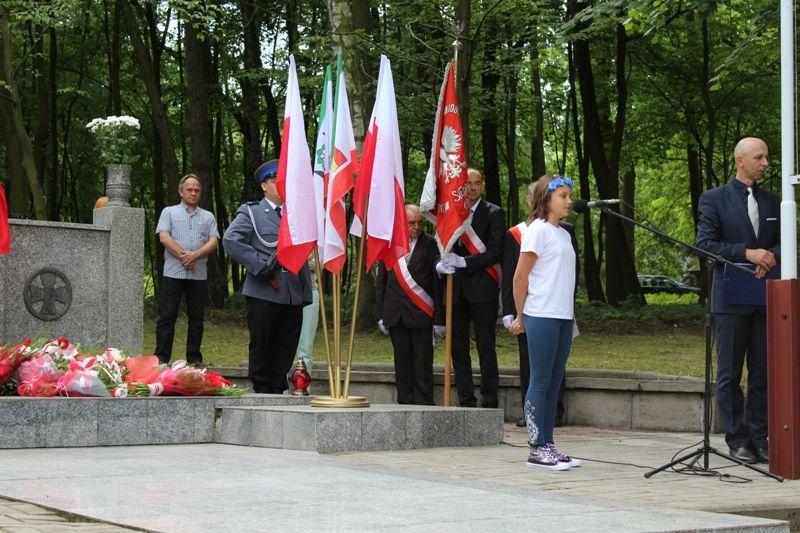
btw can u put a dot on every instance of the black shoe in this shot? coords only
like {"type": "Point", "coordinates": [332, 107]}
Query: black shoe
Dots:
{"type": "Point", "coordinates": [762, 455]}
{"type": "Point", "coordinates": [521, 423]}
{"type": "Point", "coordinates": [744, 455]}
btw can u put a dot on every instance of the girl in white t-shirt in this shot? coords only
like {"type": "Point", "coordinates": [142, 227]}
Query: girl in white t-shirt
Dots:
{"type": "Point", "coordinates": [544, 284]}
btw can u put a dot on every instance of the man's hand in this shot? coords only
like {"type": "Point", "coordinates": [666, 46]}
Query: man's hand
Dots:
{"type": "Point", "coordinates": [383, 328]}
{"type": "Point", "coordinates": [188, 259]}
{"type": "Point", "coordinates": [443, 267]}
{"type": "Point", "coordinates": [761, 258]}
{"type": "Point", "coordinates": [761, 271]}
{"type": "Point", "coordinates": [458, 261]}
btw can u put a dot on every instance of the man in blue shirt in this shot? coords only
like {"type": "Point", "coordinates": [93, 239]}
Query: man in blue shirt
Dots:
{"type": "Point", "coordinates": [189, 235]}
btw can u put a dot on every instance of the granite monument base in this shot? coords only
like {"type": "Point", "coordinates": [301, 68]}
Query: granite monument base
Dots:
{"type": "Point", "coordinates": [376, 428]}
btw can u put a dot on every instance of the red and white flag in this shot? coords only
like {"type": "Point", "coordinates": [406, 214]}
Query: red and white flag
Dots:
{"type": "Point", "coordinates": [444, 196]}
{"type": "Point", "coordinates": [361, 188]}
{"type": "Point", "coordinates": [5, 232]}
{"type": "Point", "coordinates": [295, 183]}
{"type": "Point", "coordinates": [382, 168]}
{"type": "Point", "coordinates": [343, 164]}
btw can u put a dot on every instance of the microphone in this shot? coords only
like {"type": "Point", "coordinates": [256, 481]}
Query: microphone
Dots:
{"type": "Point", "coordinates": [582, 206]}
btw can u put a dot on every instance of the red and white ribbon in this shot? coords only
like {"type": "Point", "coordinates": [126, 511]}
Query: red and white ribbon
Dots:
{"type": "Point", "coordinates": [475, 245]}
{"type": "Point", "coordinates": [412, 289]}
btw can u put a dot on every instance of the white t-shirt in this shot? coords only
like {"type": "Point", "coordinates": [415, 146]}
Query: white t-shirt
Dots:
{"type": "Point", "coordinates": [551, 283]}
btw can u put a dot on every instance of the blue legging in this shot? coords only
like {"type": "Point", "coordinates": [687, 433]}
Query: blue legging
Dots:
{"type": "Point", "coordinates": [549, 341]}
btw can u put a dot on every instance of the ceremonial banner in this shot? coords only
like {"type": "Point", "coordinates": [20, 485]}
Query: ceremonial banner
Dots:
{"type": "Point", "coordinates": [444, 196]}
{"type": "Point", "coordinates": [343, 165]}
{"type": "Point", "coordinates": [295, 183]}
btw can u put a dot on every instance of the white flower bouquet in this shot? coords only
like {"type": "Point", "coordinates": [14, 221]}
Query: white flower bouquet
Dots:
{"type": "Point", "coordinates": [117, 139]}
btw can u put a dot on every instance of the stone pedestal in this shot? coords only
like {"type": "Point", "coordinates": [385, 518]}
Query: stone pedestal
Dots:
{"type": "Point", "coordinates": [80, 281]}
{"type": "Point", "coordinates": [376, 428]}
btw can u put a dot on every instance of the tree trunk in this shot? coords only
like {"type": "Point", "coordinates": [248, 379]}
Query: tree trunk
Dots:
{"type": "Point", "coordinates": [42, 93]}
{"type": "Point", "coordinates": [621, 280]}
{"type": "Point", "coordinates": [251, 143]}
{"type": "Point", "coordinates": [538, 164]}
{"type": "Point", "coordinates": [711, 114]}
{"type": "Point", "coordinates": [18, 143]}
{"type": "Point", "coordinates": [695, 190]}
{"type": "Point", "coordinates": [464, 18]}
{"type": "Point", "coordinates": [511, 150]}
{"type": "Point", "coordinates": [628, 201]}
{"type": "Point", "coordinates": [489, 81]}
{"type": "Point", "coordinates": [54, 202]}
{"type": "Point", "coordinates": [147, 71]}
{"type": "Point", "coordinates": [591, 270]}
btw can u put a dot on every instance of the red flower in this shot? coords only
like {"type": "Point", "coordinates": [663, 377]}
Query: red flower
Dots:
{"type": "Point", "coordinates": [216, 380]}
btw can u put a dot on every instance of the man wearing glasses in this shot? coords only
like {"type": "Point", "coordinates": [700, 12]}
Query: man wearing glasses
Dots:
{"type": "Point", "coordinates": [476, 288]}
{"type": "Point", "coordinates": [407, 304]}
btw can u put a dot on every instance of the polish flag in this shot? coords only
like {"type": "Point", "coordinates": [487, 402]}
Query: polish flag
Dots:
{"type": "Point", "coordinates": [5, 232]}
{"type": "Point", "coordinates": [343, 164]}
{"type": "Point", "coordinates": [444, 196]}
{"type": "Point", "coordinates": [382, 164]}
{"type": "Point", "coordinates": [322, 157]}
{"type": "Point", "coordinates": [362, 186]}
{"type": "Point", "coordinates": [295, 183]}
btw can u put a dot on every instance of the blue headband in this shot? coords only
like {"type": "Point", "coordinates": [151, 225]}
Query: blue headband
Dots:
{"type": "Point", "coordinates": [559, 182]}
{"type": "Point", "coordinates": [266, 171]}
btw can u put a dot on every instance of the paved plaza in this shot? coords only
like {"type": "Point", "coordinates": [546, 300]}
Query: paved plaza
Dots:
{"type": "Point", "coordinates": [213, 487]}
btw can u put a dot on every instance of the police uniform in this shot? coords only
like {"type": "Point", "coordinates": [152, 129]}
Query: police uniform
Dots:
{"type": "Point", "coordinates": [275, 297]}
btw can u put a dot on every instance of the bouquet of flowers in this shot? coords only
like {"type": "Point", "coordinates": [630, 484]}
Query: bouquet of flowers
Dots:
{"type": "Point", "coordinates": [58, 368]}
{"type": "Point", "coordinates": [117, 139]}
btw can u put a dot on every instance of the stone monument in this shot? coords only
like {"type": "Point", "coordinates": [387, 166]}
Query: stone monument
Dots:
{"type": "Point", "coordinates": [80, 281]}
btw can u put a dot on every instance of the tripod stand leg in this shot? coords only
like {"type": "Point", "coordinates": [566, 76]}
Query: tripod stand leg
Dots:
{"type": "Point", "coordinates": [695, 454]}
{"type": "Point", "coordinates": [747, 465]}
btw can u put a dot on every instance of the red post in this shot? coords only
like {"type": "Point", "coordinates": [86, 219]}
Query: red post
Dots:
{"type": "Point", "coordinates": [783, 363]}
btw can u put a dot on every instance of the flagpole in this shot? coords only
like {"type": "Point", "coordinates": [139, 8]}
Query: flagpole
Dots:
{"type": "Point", "coordinates": [448, 317]}
{"type": "Point", "coordinates": [321, 291]}
{"type": "Point", "coordinates": [337, 316]}
{"type": "Point", "coordinates": [355, 301]}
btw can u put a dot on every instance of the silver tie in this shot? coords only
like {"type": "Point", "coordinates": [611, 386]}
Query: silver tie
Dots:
{"type": "Point", "coordinates": [752, 209]}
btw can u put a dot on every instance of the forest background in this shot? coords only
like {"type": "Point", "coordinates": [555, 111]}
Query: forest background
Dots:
{"type": "Point", "coordinates": [641, 100]}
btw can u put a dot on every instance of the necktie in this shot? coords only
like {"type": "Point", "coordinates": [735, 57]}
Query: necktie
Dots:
{"type": "Point", "coordinates": [752, 209]}
{"type": "Point", "coordinates": [278, 210]}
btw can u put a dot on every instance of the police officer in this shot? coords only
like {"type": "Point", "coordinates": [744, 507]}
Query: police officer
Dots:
{"type": "Point", "coordinates": [275, 297]}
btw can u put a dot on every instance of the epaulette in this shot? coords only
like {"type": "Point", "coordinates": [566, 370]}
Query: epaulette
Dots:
{"type": "Point", "coordinates": [254, 202]}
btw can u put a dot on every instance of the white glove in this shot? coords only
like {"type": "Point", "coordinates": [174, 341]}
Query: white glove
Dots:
{"type": "Point", "coordinates": [439, 332]}
{"type": "Point", "coordinates": [443, 267]}
{"type": "Point", "coordinates": [507, 320]}
{"type": "Point", "coordinates": [458, 261]}
{"type": "Point", "coordinates": [382, 327]}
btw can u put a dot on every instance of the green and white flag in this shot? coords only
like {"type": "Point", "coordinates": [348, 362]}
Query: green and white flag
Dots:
{"type": "Point", "coordinates": [322, 156]}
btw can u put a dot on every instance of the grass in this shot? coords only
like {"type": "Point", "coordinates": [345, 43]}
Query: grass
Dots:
{"type": "Point", "coordinates": [658, 338]}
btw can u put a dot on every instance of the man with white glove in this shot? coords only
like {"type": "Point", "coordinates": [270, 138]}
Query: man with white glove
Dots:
{"type": "Point", "coordinates": [409, 310]}
{"type": "Point", "coordinates": [475, 264]}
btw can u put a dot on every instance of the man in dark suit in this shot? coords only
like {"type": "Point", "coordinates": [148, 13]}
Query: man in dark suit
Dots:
{"type": "Point", "coordinates": [407, 304]}
{"type": "Point", "coordinates": [740, 222]}
{"type": "Point", "coordinates": [275, 297]}
{"type": "Point", "coordinates": [475, 262]}
{"type": "Point", "coordinates": [511, 247]}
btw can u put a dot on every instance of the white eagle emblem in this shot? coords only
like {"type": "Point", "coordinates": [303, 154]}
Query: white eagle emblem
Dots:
{"type": "Point", "coordinates": [448, 154]}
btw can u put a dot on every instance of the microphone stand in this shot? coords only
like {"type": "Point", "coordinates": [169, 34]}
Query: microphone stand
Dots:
{"type": "Point", "coordinates": [711, 260]}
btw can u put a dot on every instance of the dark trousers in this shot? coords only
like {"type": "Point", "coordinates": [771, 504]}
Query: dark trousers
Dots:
{"type": "Point", "coordinates": [483, 317]}
{"type": "Point", "coordinates": [741, 337]}
{"type": "Point", "coordinates": [274, 333]}
{"type": "Point", "coordinates": [525, 377]}
{"type": "Point", "coordinates": [169, 301]}
{"type": "Point", "coordinates": [413, 364]}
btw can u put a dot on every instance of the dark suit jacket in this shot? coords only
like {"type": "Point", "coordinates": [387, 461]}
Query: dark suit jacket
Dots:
{"type": "Point", "coordinates": [724, 229]}
{"type": "Point", "coordinates": [478, 286]}
{"type": "Point", "coordinates": [393, 306]}
{"type": "Point", "coordinates": [510, 258]}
